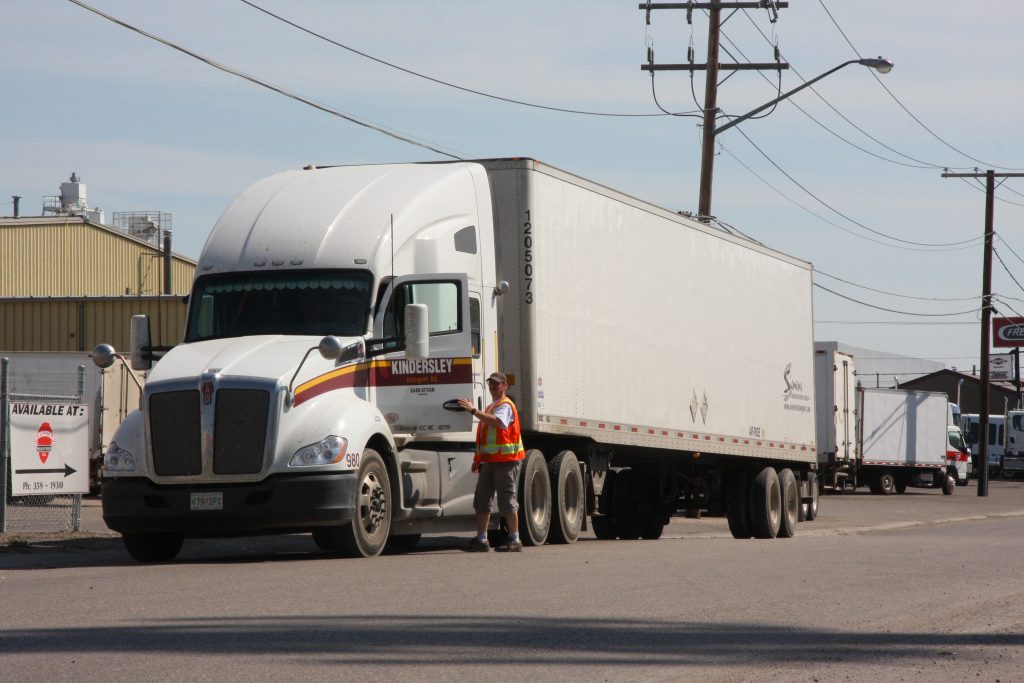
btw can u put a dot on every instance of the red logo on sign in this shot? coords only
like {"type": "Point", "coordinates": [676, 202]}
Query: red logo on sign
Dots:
{"type": "Point", "coordinates": [207, 390]}
{"type": "Point", "coordinates": [1008, 332]}
{"type": "Point", "coordinates": [44, 441]}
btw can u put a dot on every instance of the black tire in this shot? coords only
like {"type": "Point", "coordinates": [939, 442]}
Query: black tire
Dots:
{"type": "Point", "coordinates": [811, 513]}
{"type": "Point", "coordinates": [568, 498]}
{"type": "Point", "coordinates": [949, 483]}
{"type": "Point", "coordinates": [901, 484]}
{"type": "Point", "coordinates": [367, 533]}
{"type": "Point", "coordinates": [652, 526]}
{"type": "Point", "coordinates": [789, 489]}
{"type": "Point", "coordinates": [738, 505]}
{"type": "Point", "coordinates": [403, 541]}
{"type": "Point", "coordinates": [624, 509]}
{"type": "Point", "coordinates": [887, 483]}
{"type": "Point", "coordinates": [604, 524]}
{"type": "Point", "coordinates": [875, 484]}
{"type": "Point", "coordinates": [534, 499]}
{"type": "Point", "coordinates": [766, 503]}
{"type": "Point", "coordinates": [144, 547]}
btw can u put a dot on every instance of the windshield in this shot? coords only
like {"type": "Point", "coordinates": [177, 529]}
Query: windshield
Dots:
{"type": "Point", "coordinates": [306, 302]}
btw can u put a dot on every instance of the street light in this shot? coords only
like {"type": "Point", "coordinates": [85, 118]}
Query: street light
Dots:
{"type": "Point", "coordinates": [879, 64]}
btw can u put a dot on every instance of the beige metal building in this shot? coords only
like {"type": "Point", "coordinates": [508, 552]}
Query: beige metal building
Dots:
{"type": "Point", "coordinates": [68, 284]}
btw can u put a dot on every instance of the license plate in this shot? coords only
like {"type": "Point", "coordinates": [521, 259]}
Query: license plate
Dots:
{"type": "Point", "coordinates": [207, 501]}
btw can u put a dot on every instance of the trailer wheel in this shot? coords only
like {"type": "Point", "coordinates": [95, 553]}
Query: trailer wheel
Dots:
{"type": "Point", "coordinates": [738, 504]}
{"type": "Point", "coordinates": [624, 510]}
{"type": "Point", "coordinates": [887, 483]}
{"type": "Point", "coordinates": [144, 547]}
{"type": "Point", "coordinates": [949, 484]}
{"type": "Point", "coordinates": [367, 533]}
{"type": "Point", "coordinates": [534, 499]}
{"type": "Point", "coordinates": [811, 513]}
{"type": "Point", "coordinates": [566, 497]}
{"type": "Point", "coordinates": [790, 492]}
{"type": "Point", "coordinates": [603, 524]}
{"type": "Point", "coordinates": [766, 503]}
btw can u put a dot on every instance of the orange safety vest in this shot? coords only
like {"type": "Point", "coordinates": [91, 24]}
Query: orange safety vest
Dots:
{"type": "Point", "coordinates": [499, 445]}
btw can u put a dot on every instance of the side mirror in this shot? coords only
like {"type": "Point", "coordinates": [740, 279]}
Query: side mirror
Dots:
{"type": "Point", "coordinates": [331, 348]}
{"type": "Point", "coordinates": [103, 356]}
{"type": "Point", "coordinates": [417, 332]}
{"type": "Point", "coordinates": [140, 342]}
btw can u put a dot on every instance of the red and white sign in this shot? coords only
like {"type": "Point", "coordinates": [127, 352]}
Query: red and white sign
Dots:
{"type": "Point", "coordinates": [49, 448]}
{"type": "Point", "coordinates": [1008, 332]}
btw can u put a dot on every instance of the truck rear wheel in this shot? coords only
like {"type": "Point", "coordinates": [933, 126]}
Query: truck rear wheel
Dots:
{"type": "Point", "coordinates": [949, 484]}
{"type": "Point", "coordinates": [790, 492]}
{"type": "Point", "coordinates": [624, 510]}
{"type": "Point", "coordinates": [145, 547]}
{"type": "Point", "coordinates": [603, 524]}
{"type": "Point", "coordinates": [367, 533]}
{"type": "Point", "coordinates": [887, 483]}
{"type": "Point", "coordinates": [738, 505]}
{"type": "Point", "coordinates": [566, 497]}
{"type": "Point", "coordinates": [766, 503]}
{"type": "Point", "coordinates": [811, 513]}
{"type": "Point", "coordinates": [534, 499]}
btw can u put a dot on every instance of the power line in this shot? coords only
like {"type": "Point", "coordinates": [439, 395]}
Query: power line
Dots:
{"type": "Point", "coordinates": [438, 80]}
{"type": "Point", "coordinates": [903, 296]}
{"type": "Point", "coordinates": [891, 310]}
{"type": "Point", "coordinates": [252, 79]}
{"type": "Point", "coordinates": [903, 106]}
{"type": "Point", "coordinates": [969, 242]}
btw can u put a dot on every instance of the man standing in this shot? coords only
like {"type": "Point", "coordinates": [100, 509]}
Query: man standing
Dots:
{"type": "Point", "coordinates": [499, 454]}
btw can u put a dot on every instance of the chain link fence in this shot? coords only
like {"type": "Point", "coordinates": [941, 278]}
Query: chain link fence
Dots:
{"type": "Point", "coordinates": [34, 383]}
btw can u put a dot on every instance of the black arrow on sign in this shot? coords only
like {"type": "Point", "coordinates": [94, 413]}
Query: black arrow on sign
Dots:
{"type": "Point", "coordinates": [68, 471]}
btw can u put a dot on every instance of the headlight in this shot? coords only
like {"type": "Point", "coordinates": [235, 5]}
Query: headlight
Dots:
{"type": "Point", "coordinates": [117, 459]}
{"type": "Point", "coordinates": [327, 452]}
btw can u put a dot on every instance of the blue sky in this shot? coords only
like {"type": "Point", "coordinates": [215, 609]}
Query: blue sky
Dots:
{"type": "Point", "coordinates": [148, 128]}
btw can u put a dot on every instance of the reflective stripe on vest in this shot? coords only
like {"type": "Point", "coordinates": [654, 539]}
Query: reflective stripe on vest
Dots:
{"type": "Point", "coordinates": [499, 445]}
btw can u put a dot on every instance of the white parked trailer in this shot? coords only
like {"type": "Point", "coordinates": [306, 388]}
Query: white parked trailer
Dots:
{"type": "Point", "coordinates": [659, 364]}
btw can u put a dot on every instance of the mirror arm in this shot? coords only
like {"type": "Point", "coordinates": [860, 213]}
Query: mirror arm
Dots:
{"type": "Point", "coordinates": [289, 398]}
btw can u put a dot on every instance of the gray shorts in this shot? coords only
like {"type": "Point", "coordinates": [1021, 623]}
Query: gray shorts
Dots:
{"type": "Point", "coordinates": [498, 478]}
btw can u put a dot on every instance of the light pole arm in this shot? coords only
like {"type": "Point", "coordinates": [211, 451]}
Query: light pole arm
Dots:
{"type": "Point", "coordinates": [755, 112]}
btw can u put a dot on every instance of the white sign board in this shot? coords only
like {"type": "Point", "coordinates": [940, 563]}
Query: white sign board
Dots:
{"type": "Point", "coordinates": [1000, 367]}
{"type": "Point", "coordinates": [49, 448]}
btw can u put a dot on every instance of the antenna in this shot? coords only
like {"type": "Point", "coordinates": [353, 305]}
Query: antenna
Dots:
{"type": "Point", "coordinates": [392, 246]}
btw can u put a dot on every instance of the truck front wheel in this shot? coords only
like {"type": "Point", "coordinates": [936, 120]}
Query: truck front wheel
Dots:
{"type": "Point", "coordinates": [949, 483]}
{"type": "Point", "coordinates": [367, 533]}
{"type": "Point", "coordinates": [145, 547]}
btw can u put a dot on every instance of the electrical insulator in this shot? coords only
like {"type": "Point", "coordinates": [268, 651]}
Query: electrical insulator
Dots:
{"type": "Point", "coordinates": [650, 55]}
{"type": "Point", "coordinates": [689, 54]}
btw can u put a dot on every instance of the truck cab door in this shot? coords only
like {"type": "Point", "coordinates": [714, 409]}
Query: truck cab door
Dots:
{"type": "Point", "coordinates": [413, 393]}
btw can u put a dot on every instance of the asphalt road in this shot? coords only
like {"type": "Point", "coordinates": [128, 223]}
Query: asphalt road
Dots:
{"type": "Point", "coordinates": [918, 587]}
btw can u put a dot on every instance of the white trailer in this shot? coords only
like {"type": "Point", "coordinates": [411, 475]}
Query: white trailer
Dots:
{"type": "Point", "coordinates": [904, 442]}
{"type": "Point", "coordinates": [835, 392]}
{"type": "Point", "coordinates": [658, 364]}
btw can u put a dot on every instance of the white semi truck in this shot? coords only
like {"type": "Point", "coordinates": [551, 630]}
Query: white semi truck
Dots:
{"type": "Point", "coordinates": [658, 365]}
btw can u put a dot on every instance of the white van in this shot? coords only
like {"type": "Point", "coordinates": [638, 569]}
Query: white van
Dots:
{"type": "Point", "coordinates": [996, 439]}
{"type": "Point", "coordinates": [1013, 460]}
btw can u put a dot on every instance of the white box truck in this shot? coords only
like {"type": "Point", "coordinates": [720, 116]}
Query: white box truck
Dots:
{"type": "Point", "coordinates": [835, 392]}
{"type": "Point", "coordinates": [904, 440]}
{"type": "Point", "coordinates": [658, 364]}
{"type": "Point", "coordinates": [1013, 458]}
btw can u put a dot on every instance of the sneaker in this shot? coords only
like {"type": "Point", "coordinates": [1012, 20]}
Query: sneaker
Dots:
{"type": "Point", "coordinates": [477, 546]}
{"type": "Point", "coordinates": [510, 547]}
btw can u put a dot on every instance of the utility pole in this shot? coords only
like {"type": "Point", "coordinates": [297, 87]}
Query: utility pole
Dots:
{"type": "Point", "coordinates": [712, 66]}
{"type": "Point", "coordinates": [986, 315]}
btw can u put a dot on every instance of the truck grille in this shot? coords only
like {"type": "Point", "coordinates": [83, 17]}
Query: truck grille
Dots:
{"type": "Point", "coordinates": [239, 432]}
{"type": "Point", "coordinates": [175, 425]}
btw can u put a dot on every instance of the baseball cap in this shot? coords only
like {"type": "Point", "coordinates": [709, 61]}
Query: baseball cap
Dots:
{"type": "Point", "coordinates": [498, 377]}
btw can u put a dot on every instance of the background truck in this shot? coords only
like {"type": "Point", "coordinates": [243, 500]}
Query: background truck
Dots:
{"type": "Point", "coordinates": [835, 391]}
{"type": "Point", "coordinates": [1013, 457]}
{"type": "Point", "coordinates": [658, 364]}
{"type": "Point", "coordinates": [904, 440]}
{"type": "Point", "coordinates": [970, 425]}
